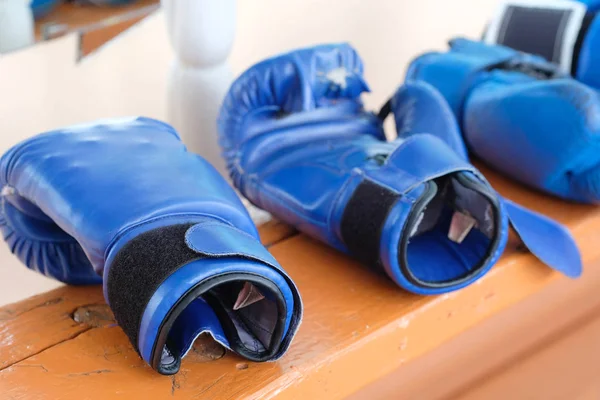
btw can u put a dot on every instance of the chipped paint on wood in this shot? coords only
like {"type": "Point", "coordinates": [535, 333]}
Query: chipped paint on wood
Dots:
{"type": "Point", "coordinates": [94, 315]}
{"type": "Point", "coordinates": [33, 325]}
{"type": "Point", "coordinates": [205, 349]}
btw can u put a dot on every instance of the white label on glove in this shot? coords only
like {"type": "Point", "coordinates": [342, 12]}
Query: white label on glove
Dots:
{"type": "Point", "coordinates": [460, 226]}
{"type": "Point", "coordinates": [247, 296]}
{"type": "Point", "coordinates": [8, 191]}
{"type": "Point", "coordinates": [338, 77]}
{"type": "Point", "coordinates": [517, 22]}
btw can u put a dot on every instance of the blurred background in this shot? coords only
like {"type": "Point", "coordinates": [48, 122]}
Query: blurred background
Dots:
{"type": "Point", "coordinates": [82, 62]}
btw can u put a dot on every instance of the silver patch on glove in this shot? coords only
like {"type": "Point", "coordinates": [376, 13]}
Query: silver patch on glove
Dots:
{"type": "Point", "coordinates": [247, 296]}
{"type": "Point", "coordinates": [460, 226]}
{"type": "Point", "coordinates": [8, 191]}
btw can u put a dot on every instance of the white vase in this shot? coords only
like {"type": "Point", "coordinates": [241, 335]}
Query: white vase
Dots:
{"type": "Point", "coordinates": [201, 33]}
{"type": "Point", "coordinates": [16, 25]}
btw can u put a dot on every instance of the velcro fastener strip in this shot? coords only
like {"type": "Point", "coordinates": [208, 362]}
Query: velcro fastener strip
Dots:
{"type": "Point", "coordinates": [363, 220]}
{"type": "Point", "coordinates": [138, 270]}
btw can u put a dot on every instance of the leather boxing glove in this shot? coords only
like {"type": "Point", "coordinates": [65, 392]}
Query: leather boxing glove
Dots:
{"type": "Point", "coordinates": [104, 3]}
{"type": "Point", "coordinates": [562, 31]}
{"type": "Point", "coordinates": [176, 250]}
{"type": "Point", "coordinates": [41, 8]}
{"type": "Point", "coordinates": [521, 115]}
{"type": "Point", "coordinates": [300, 145]}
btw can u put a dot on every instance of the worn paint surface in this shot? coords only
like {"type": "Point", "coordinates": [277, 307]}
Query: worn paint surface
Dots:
{"type": "Point", "coordinates": [358, 327]}
{"type": "Point", "coordinates": [71, 18]}
{"type": "Point", "coordinates": [40, 322]}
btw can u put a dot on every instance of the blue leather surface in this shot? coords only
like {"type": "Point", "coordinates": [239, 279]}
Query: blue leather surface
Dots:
{"type": "Point", "coordinates": [536, 231]}
{"type": "Point", "coordinates": [588, 67]}
{"type": "Point", "coordinates": [205, 320]}
{"type": "Point", "coordinates": [413, 108]}
{"type": "Point", "coordinates": [106, 3]}
{"type": "Point", "coordinates": [41, 8]}
{"type": "Point", "coordinates": [298, 142]}
{"type": "Point", "coordinates": [64, 174]}
{"type": "Point", "coordinates": [72, 198]}
{"type": "Point", "coordinates": [218, 240]}
{"type": "Point", "coordinates": [593, 5]}
{"type": "Point", "coordinates": [543, 133]}
{"type": "Point", "coordinates": [27, 236]}
{"type": "Point", "coordinates": [425, 250]}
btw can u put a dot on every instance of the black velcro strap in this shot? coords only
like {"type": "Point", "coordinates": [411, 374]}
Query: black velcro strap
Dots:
{"type": "Point", "coordinates": [555, 32]}
{"type": "Point", "coordinates": [138, 270]}
{"type": "Point", "coordinates": [363, 220]}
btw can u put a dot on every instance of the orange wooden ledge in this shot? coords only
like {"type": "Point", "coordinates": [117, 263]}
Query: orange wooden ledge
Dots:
{"type": "Point", "coordinates": [83, 18]}
{"type": "Point", "coordinates": [95, 25]}
{"type": "Point", "coordinates": [359, 329]}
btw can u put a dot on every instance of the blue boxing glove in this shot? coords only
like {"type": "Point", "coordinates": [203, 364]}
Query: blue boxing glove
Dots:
{"type": "Point", "coordinates": [562, 31]}
{"type": "Point", "coordinates": [41, 8]}
{"type": "Point", "coordinates": [299, 144]}
{"type": "Point", "coordinates": [105, 3]}
{"type": "Point", "coordinates": [521, 115]}
{"type": "Point", "coordinates": [177, 252]}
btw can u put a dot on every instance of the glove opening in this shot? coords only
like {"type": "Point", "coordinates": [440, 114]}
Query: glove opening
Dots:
{"type": "Point", "coordinates": [246, 316]}
{"type": "Point", "coordinates": [250, 314]}
{"type": "Point", "coordinates": [164, 295]}
{"type": "Point", "coordinates": [451, 233]}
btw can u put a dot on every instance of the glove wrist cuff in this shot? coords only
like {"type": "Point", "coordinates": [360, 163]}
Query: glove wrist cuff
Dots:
{"type": "Point", "coordinates": [138, 269]}
{"type": "Point", "coordinates": [408, 236]}
{"type": "Point", "coordinates": [170, 284]}
{"type": "Point", "coordinates": [454, 203]}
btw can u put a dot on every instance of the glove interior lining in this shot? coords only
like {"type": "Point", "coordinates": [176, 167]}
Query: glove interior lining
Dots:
{"type": "Point", "coordinates": [209, 307]}
{"type": "Point", "coordinates": [255, 323]}
{"type": "Point", "coordinates": [452, 232]}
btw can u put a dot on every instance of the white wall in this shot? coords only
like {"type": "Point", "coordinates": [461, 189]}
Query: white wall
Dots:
{"type": "Point", "coordinates": [387, 33]}
{"type": "Point", "coordinates": [42, 88]}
